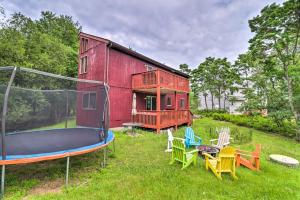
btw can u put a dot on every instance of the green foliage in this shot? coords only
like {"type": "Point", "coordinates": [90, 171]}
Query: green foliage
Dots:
{"type": "Point", "coordinates": [210, 112]}
{"type": "Point", "coordinates": [49, 43]}
{"type": "Point", "coordinates": [215, 76]}
{"type": "Point", "coordinates": [241, 137]}
{"type": "Point", "coordinates": [275, 61]}
{"type": "Point", "coordinates": [285, 127]}
{"type": "Point", "coordinates": [193, 102]}
{"type": "Point", "coordinates": [185, 69]}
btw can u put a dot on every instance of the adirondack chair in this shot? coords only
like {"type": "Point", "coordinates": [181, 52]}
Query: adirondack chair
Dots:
{"type": "Point", "coordinates": [223, 139]}
{"type": "Point", "coordinates": [224, 163]}
{"type": "Point", "coordinates": [170, 141]}
{"type": "Point", "coordinates": [252, 158]}
{"type": "Point", "coordinates": [180, 154]}
{"type": "Point", "coordinates": [191, 139]}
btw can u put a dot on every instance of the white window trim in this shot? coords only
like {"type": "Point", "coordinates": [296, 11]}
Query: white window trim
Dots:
{"type": "Point", "coordinates": [170, 101]}
{"type": "Point", "coordinates": [149, 67]}
{"type": "Point", "coordinates": [89, 101]}
{"type": "Point", "coordinates": [182, 100]}
{"type": "Point", "coordinates": [83, 70]}
{"type": "Point", "coordinates": [84, 45]}
{"type": "Point", "coordinates": [151, 97]}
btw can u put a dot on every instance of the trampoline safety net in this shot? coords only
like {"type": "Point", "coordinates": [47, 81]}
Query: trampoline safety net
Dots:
{"type": "Point", "coordinates": [32, 100]}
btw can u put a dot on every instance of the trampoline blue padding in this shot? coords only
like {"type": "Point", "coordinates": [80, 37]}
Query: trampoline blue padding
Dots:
{"type": "Point", "coordinates": [54, 143]}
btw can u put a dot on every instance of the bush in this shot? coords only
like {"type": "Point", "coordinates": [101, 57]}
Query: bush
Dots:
{"type": "Point", "coordinates": [287, 128]}
{"type": "Point", "coordinates": [241, 137]}
{"type": "Point", "coordinates": [235, 133]}
{"type": "Point", "coordinates": [209, 112]}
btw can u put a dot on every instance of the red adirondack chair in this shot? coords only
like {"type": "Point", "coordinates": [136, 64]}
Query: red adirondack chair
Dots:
{"type": "Point", "coordinates": [249, 159]}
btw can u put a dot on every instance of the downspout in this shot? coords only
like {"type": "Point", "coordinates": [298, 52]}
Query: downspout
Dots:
{"type": "Point", "coordinates": [108, 46]}
{"type": "Point", "coordinates": [107, 120]}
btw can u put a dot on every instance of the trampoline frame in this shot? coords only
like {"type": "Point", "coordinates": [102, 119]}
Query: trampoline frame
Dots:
{"type": "Point", "coordinates": [67, 155]}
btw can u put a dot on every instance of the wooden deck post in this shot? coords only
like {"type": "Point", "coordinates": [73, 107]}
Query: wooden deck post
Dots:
{"type": "Point", "coordinates": [158, 102]}
{"type": "Point", "coordinates": [188, 107]}
{"type": "Point", "coordinates": [176, 113]}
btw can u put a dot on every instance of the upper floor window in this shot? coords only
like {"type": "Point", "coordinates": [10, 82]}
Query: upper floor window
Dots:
{"type": "Point", "coordinates": [182, 103]}
{"type": "Point", "coordinates": [149, 67]}
{"type": "Point", "coordinates": [89, 101]}
{"type": "Point", "coordinates": [84, 44]}
{"type": "Point", "coordinates": [83, 65]}
{"type": "Point", "coordinates": [169, 101]}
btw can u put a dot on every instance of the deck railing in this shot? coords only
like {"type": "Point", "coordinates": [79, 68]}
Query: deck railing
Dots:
{"type": "Point", "coordinates": [168, 118]}
{"type": "Point", "coordinates": [168, 80]}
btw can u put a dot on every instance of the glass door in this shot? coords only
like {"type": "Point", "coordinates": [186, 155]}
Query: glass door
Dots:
{"type": "Point", "coordinates": [150, 102]}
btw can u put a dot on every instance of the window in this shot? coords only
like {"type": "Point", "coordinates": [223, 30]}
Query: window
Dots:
{"type": "Point", "coordinates": [169, 101]}
{"type": "Point", "coordinates": [84, 44]}
{"type": "Point", "coordinates": [181, 103]}
{"type": "Point", "coordinates": [83, 65]}
{"type": "Point", "coordinates": [149, 67]}
{"type": "Point", "coordinates": [89, 101]}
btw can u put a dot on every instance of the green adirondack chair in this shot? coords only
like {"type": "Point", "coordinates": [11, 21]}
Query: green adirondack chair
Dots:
{"type": "Point", "coordinates": [180, 154]}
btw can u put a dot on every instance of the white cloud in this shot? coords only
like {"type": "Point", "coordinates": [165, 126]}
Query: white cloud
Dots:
{"type": "Point", "coordinates": [172, 32]}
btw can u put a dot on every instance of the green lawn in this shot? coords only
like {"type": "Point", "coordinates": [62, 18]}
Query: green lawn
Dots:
{"type": "Point", "coordinates": [70, 124]}
{"type": "Point", "coordinates": [140, 170]}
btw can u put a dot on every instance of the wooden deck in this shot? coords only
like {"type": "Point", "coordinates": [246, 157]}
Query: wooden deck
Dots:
{"type": "Point", "coordinates": [167, 118]}
{"type": "Point", "coordinates": [159, 82]}
{"type": "Point", "coordinates": [158, 78]}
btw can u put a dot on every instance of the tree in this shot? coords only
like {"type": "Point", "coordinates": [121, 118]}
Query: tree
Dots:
{"type": "Point", "coordinates": [216, 76]}
{"type": "Point", "coordinates": [185, 69]}
{"type": "Point", "coordinates": [276, 45]}
{"type": "Point", "coordinates": [48, 44]}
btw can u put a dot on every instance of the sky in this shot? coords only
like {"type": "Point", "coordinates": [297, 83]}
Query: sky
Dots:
{"type": "Point", "coordinates": [170, 31]}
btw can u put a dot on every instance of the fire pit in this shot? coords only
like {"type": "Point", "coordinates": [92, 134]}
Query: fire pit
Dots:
{"type": "Point", "coordinates": [207, 149]}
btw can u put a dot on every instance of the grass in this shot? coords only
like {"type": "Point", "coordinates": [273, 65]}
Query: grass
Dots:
{"type": "Point", "coordinates": [70, 124]}
{"type": "Point", "coordinates": [140, 170]}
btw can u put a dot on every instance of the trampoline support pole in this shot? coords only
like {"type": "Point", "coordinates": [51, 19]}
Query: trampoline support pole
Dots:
{"type": "Point", "coordinates": [67, 172]}
{"type": "Point", "coordinates": [2, 181]}
{"type": "Point", "coordinates": [114, 146]}
{"type": "Point", "coordinates": [104, 156]}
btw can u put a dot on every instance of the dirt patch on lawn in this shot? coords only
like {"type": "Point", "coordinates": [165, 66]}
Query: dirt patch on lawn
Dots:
{"type": "Point", "coordinates": [55, 186]}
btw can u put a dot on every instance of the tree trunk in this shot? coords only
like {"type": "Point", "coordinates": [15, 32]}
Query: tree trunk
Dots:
{"type": "Point", "coordinates": [205, 95]}
{"type": "Point", "coordinates": [290, 98]}
{"type": "Point", "coordinates": [212, 101]}
{"type": "Point", "coordinates": [224, 101]}
{"type": "Point", "coordinates": [219, 98]}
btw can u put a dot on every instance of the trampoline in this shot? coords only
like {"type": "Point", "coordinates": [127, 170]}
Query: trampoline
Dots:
{"type": "Point", "coordinates": [48, 116]}
{"type": "Point", "coordinates": [52, 144]}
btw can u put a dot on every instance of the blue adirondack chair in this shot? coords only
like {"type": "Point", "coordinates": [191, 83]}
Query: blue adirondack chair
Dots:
{"type": "Point", "coordinates": [191, 139]}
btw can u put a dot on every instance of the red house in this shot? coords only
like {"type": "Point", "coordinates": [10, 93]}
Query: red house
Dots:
{"type": "Point", "coordinates": [162, 93]}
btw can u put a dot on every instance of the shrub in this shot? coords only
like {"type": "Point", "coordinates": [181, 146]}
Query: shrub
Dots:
{"type": "Point", "coordinates": [241, 137]}
{"type": "Point", "coordinates": [286, 128]}
{"type": "Point", "coordinates": [209, 112]}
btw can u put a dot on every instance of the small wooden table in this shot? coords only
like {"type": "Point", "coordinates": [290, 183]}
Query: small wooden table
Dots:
{"type": "Point", "coordinates": [132, 125]}
{"type": "Point", "coordinates": [207, 149]}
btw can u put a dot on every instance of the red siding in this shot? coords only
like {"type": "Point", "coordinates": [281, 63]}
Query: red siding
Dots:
{"type": "Point", "coordinates": [89, 118]}
{"type": "Point", "coordinates": [140, 101]}
{"type": "Point", "coordinates": [96, 61]}
{"type": "Point", "coordinates": [172, 107]}
{"type": "Point", "coordinates": [120, 68]}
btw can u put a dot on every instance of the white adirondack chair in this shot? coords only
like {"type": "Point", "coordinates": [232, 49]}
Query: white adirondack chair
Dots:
{"type": "Point", "coordinates": [170, 141]}
{"type": "Point", "coordinates": [223, 140]}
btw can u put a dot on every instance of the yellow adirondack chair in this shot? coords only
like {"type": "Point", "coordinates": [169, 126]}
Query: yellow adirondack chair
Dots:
{"type": "Point", "coordinates": [180, 154]}
{"type": "Point", "coordinates": [225, 162]}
